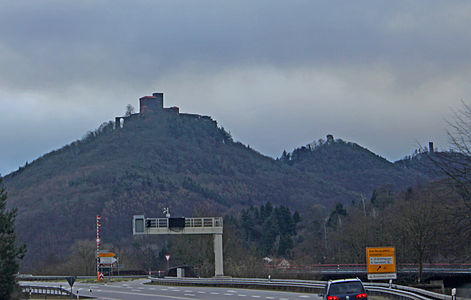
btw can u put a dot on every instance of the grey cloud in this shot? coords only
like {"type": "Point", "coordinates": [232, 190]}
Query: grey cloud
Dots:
{"type": "Point", "coordinates": [274, 109]}
{"type": "Point", "coordinates": [109, 40]}
{"type": "Point", "coordinates": [276, 73]}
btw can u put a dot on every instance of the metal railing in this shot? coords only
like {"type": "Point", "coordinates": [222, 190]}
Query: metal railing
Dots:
{"type": "Point", "coordinates": [45, 290]}
{"type": "Point", "coordinates": [157, 222]}
{"type": "Point", "coordinates": [301, 285]}
{"type": "Point", "coordinates": [26, 277]}
{"type": "Point", "coordinates": [203, 222]}
{"type": "Point", "coordinates": [189, 222]}
{"type": "Point", "coordinates": [278, 284]}
{"type": "Point", "coordinates": [422, 292]}
{"type": "Point", "coordinates": [405, 268]}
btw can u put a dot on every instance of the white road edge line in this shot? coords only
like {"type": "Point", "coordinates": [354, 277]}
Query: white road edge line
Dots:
{"type": "Point", "coordinates": [153, 295]}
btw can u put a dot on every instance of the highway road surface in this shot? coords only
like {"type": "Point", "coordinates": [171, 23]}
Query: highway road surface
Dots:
{"type": "Point", "coordinates": [137, 289]}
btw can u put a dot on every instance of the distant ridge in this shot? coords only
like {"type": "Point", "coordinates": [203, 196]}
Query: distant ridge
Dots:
{"type": "Point", "coordinates": [354, 167]}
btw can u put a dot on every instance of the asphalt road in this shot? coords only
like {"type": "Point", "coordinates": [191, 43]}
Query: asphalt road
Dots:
{"type": "Point", "coordinates": [138, 290]}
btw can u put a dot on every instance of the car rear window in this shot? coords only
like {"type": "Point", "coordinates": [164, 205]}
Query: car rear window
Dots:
{"type": "Point", "coordinates": [346, 288]}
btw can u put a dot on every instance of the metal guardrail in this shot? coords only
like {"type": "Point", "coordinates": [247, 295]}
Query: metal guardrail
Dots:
{"type": "Point", "coordinates": [55, 290]}
{"type": "Point", "coordinates": [428, 294]}
{"type": "Point", "coordinates": [45, 290]}
{"type": "Point", "coordinates": [26, 277]}
{"type": "Point", "coordinates": [275, 284]}
{"type": "Point", "coordinates": [361, 268]}
{"type": "Point", "coordinates": [305, 285]}
{"type": "Point", "coordinates": [397, 293]}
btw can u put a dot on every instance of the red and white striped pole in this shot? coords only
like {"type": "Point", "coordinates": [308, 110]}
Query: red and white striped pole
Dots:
{"type": "Point", "coordinates": [98, 243]}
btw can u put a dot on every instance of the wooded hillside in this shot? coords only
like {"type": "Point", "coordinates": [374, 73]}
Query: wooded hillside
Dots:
{"type": "Point", "coordinates": [184, 162]}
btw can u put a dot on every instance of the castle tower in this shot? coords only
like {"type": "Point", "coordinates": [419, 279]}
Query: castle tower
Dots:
{"type": "Point", "coordinates": [151, 104]}
{"type": "Point", "coordinates": [330, 138]}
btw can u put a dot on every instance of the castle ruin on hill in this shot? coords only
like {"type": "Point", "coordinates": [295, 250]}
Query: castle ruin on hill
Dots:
{"type": "Point", "coordinates": [154, 106]}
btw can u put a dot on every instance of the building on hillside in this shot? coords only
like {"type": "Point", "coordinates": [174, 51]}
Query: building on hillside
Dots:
{"type": "Point", "coordinates": [151, 104]}
{"type": "Point", "coordinates": [154, 106]}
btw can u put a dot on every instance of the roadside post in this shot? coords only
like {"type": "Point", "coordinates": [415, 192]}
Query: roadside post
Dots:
{"type": "Point", "coordinates": [167, 257]}
{"type": "Point", "coordinates": [71, 280]}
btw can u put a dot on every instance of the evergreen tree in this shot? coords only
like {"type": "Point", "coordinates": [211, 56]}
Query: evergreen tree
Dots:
{"type": "Point", "coordinates": [296, 217]}
{"type": "Point", "coordinates": [265, 211]}
{"type": "Point", "coordinates": [285, 245]}
{"type": "Point", "coordinates": [9, 252]}
{"type": "Point", "coordinates": [246, 224]}
{"type": "Point", "coordinates": [269, 236]}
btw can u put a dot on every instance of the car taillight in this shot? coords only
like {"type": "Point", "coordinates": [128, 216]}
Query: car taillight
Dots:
{"type": "Point", "coordinates": [361, 296]}
{"type": "Point", "coordinates": [332, 298]}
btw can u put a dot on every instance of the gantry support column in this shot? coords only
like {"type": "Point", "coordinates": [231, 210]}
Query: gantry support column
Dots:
{"type": "Point", "coordinates": [218, 259]}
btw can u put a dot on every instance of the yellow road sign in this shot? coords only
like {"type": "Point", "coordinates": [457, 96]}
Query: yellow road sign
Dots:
{"type": "Point", "coordinates": [381, 260]}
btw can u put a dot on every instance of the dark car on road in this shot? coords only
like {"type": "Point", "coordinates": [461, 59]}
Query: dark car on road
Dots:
{"type": "Point", "coordinates": [345, 289]}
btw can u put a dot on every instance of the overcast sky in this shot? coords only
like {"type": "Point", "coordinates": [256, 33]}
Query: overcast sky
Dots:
{"type": "Point", "coordinates": [276, 74]}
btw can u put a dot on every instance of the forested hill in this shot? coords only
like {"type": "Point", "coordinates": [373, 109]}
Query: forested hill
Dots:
{"type": "Point", "coordinates": [356, 168]}
{"type": "Point", "coordinates": [180, 161]}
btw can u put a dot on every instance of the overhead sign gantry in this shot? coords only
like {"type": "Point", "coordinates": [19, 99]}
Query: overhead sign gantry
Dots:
{"type": "Point", "coordinates": [208, 225]}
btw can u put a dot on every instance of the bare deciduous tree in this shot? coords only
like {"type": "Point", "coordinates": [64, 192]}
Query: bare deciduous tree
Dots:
{"type": "Point", "coordinates": [418, 222]}
{"type": "Point", "coordinates": [456, 164]}
{"type": "Point", "coordinates": [129, 110]}
{"type": "Point", "coordinates": [82, 257]}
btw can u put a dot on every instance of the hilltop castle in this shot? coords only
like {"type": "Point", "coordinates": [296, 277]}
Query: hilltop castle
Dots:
{"type": "Point", "coordinates": [153, 106]}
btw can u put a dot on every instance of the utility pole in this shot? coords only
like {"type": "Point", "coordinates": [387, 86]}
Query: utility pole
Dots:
{"type": "Point", "coordinates": [325, 232]}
